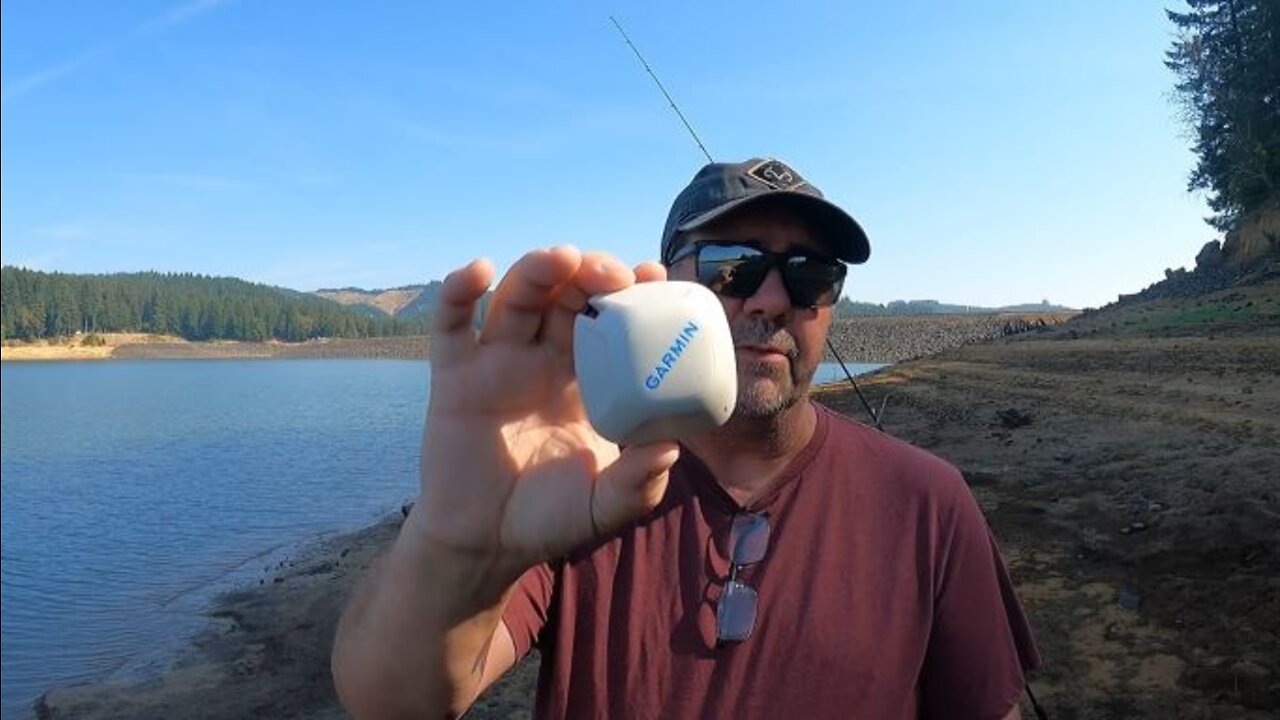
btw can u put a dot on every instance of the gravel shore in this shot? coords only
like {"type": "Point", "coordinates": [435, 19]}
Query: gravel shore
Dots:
{"type": "Point", "coordinates": [863, 339]}
{"type": "Point", "coordinates": [894, 339]}
{"type": "Point", "coordinates": [1126, 462]}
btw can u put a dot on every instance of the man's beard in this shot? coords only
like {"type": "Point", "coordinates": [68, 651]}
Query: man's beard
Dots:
{"type": "Point", "coordinates": [764, 389]}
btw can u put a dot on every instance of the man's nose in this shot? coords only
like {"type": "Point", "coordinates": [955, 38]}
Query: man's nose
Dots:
{"type": "Point", "coordinates": [770, 299]}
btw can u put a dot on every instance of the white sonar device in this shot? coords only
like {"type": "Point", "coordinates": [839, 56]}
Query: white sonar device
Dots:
{"type": "Point", "coordinates": [655, 362]}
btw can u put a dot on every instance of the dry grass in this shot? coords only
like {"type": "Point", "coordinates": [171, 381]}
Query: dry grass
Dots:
{"type": "Point", "coordinates": [79, 347]}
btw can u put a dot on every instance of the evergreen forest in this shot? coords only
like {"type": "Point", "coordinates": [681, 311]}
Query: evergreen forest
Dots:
{"type": "Point", "coordinates": [36, 304]}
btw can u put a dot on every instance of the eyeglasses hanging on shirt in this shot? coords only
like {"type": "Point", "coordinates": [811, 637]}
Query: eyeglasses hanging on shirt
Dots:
{"type": "Point", "coordinates": [736, 610]}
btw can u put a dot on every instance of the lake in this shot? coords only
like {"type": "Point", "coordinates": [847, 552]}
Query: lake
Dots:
{"type": "Point", "coordinates": [133, 492]}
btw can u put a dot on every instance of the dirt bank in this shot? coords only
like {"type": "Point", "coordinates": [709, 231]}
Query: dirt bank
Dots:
{"type": "Point", "coordinates": [137, 346]}
{"type": "Point", "coordinates": [1130, 464]}
{"type": "Point", "coordinates": [1135, 486]}
{"type": "Point", "coordinates": [79, 347]}
{"type": "Point", "coordinates": [1128, 461]}
{"type": "Point", "coordinates": [869, 339]}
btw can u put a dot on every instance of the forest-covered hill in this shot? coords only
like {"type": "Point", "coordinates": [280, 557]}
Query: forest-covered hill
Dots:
{"type": "Point", "coordinates": [36, 304]}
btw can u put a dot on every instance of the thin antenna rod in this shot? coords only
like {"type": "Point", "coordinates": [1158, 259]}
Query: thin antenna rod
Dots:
{"type": "Point", "coordinates": [870, 411]}
{"type": "Point", "coordinates": [665, 94]}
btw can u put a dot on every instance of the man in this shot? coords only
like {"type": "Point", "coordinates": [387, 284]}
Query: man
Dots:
{"type": "Point", "coordinates": [792, 563]}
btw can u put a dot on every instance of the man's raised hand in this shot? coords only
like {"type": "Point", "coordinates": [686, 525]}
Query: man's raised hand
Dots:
{"type": "Point", "coordinates": [511, 468]}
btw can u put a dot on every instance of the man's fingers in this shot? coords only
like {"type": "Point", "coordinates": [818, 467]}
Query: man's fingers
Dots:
{"type": "Point", "coordinates": [633, 485]}
{"type": "Point", "coordinates": [602, 273]}
{"type": "Point", "coordinates": [451, 333]}
{"type": "Point", "coordinates": [521, 300]}
{"type": "Point", "coordinates": [557, 330]}
{"type": "Point", "coordinates": [599, 273]}
{"type": "Point", "coordinates": [650, 272]}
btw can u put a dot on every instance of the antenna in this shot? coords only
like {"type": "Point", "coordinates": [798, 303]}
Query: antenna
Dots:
{"type": "Point", "coordinates": [875, 416]}
{"type": "Point", "coordinates": [665, 94]}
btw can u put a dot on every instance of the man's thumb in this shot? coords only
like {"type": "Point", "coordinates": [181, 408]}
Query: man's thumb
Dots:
{"type": "Point", "coordinates": [632, 486]}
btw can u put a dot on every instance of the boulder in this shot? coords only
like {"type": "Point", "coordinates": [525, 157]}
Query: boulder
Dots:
{"type": "Point", "coordinates": [1210, 256]}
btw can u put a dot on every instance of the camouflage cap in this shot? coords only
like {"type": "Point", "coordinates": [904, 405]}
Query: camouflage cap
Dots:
{"type": "Point", "coordinates": [720, 188]}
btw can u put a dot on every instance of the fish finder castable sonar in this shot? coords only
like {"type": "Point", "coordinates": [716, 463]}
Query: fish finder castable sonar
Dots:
{"type": "Point", "coordinates": [655, 362]}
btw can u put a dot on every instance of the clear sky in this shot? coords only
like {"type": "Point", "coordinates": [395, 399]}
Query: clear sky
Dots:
{"type": "Point", "coordinates": [995, 151]}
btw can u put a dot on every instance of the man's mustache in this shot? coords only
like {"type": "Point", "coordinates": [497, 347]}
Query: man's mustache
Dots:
{"type": "Point", "coordinates": [764, 334]}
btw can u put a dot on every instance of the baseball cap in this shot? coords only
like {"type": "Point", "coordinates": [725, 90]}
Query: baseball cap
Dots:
{"type": "Point", "coordinates": [720, 188]}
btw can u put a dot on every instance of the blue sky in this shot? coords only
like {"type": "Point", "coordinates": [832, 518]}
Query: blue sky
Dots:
{"type": "Point", "coordinates": [995, 151]}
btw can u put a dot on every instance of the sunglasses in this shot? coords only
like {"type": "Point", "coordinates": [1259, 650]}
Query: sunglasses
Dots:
{"type": "Point", "coordinates": [736, 610]}
{"type": "Point", "coordinates": [737, 271]}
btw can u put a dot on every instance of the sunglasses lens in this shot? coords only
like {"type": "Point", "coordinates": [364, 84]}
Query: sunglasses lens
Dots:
{"type": "Point", "coordinates": [737, 271]}
{"type": "Point", "coordinates": [732, 270]}
{"type": "Point", "coordinates": [736, 612]}
{"type": "Point", "coordinates": [813, 282]}
{"type": "Point", "coordinates": [748, 539]}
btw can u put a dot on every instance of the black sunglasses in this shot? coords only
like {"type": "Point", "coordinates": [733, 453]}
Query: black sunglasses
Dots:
{"type": "Point", "coordinates": [736, 610]}
{"type": "Point", "coordinates": [738, 270]}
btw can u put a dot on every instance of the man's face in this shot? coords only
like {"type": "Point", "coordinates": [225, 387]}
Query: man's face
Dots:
{"type": "Point", "coordinates": [778, 347]}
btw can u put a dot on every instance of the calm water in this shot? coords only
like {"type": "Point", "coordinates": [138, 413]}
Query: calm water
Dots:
{"type": "Point", "coordinates": [832, 373]}
{"type": "Point", "coordinates": [133, 492]}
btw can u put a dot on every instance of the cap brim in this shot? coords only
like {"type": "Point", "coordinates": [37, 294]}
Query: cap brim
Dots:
{"type": "Point", "coordinates": [838, 227]}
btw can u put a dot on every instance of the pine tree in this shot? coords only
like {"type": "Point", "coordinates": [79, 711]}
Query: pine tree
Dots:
{"type": "Point", "coordinates": [1227, 61]}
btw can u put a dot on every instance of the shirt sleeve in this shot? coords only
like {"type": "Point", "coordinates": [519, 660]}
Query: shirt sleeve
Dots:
{"type": "Point", "coordinates": [528, 607]}
{"type": "Point", "coordinates": [980, 645]}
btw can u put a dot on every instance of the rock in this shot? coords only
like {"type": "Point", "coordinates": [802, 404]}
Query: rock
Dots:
{"type": "Point", "coordinates": [1013, 418]}
{"type": "Point", "coordinates": [978, 478]}
{"type": "Point", "coordinates": [1250, 670]}
{"type": "Point", "coordinates": [1129, 600]}
{"type": "Point", "coordinates": [1210, 256]}
{"type": "Point", "coordinates": [252, 661]}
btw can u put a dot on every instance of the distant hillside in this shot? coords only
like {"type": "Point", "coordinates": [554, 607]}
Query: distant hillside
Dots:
{"type": "Point", "coordinates": [411, 303]}
{"type": "Point", "coordinates": [403, 303]}
{"type": "Point", "coordinates": [850, 308]}
{"type": "Point", "coordinates": [196, 307]}
{"type": "Point", "coordinates": [414, 301]}
{"type": "Point", "coordinates": [37, 305]}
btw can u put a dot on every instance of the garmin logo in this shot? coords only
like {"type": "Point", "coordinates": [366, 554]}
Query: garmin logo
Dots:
{"type": "Point", "coordinates": [671, 356]}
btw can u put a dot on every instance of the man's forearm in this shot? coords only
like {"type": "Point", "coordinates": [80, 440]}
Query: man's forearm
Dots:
{"type": "Point", "coordinates": [415, 638]}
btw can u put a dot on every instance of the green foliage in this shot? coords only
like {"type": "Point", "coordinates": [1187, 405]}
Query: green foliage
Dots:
{"type": "Point", "coordinates": [196, 307]}
{"type": "Point", "coordinates": [93, 340]}
{"type": "Point", "coordinates": [1226, 57]}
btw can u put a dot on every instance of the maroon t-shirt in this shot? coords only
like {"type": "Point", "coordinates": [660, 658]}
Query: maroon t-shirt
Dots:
{"type": "Point", "coordinates": [882, 595]}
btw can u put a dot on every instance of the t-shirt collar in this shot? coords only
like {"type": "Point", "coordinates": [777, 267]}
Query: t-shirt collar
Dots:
{"type": "Point", "coordinates": [705, 485]}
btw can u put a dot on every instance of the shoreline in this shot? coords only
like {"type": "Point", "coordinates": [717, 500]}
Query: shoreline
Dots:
{"type": "Point", "coordinates": [250, 637]}
{"type": "Point", "coordinates": [263, 650]}
{"type": "Point", "coordinates": [133, 346]}
{"type": "Point", "coordinates": [1125, 462]}
{"type": "Point", "coordinates": [880, 339]}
